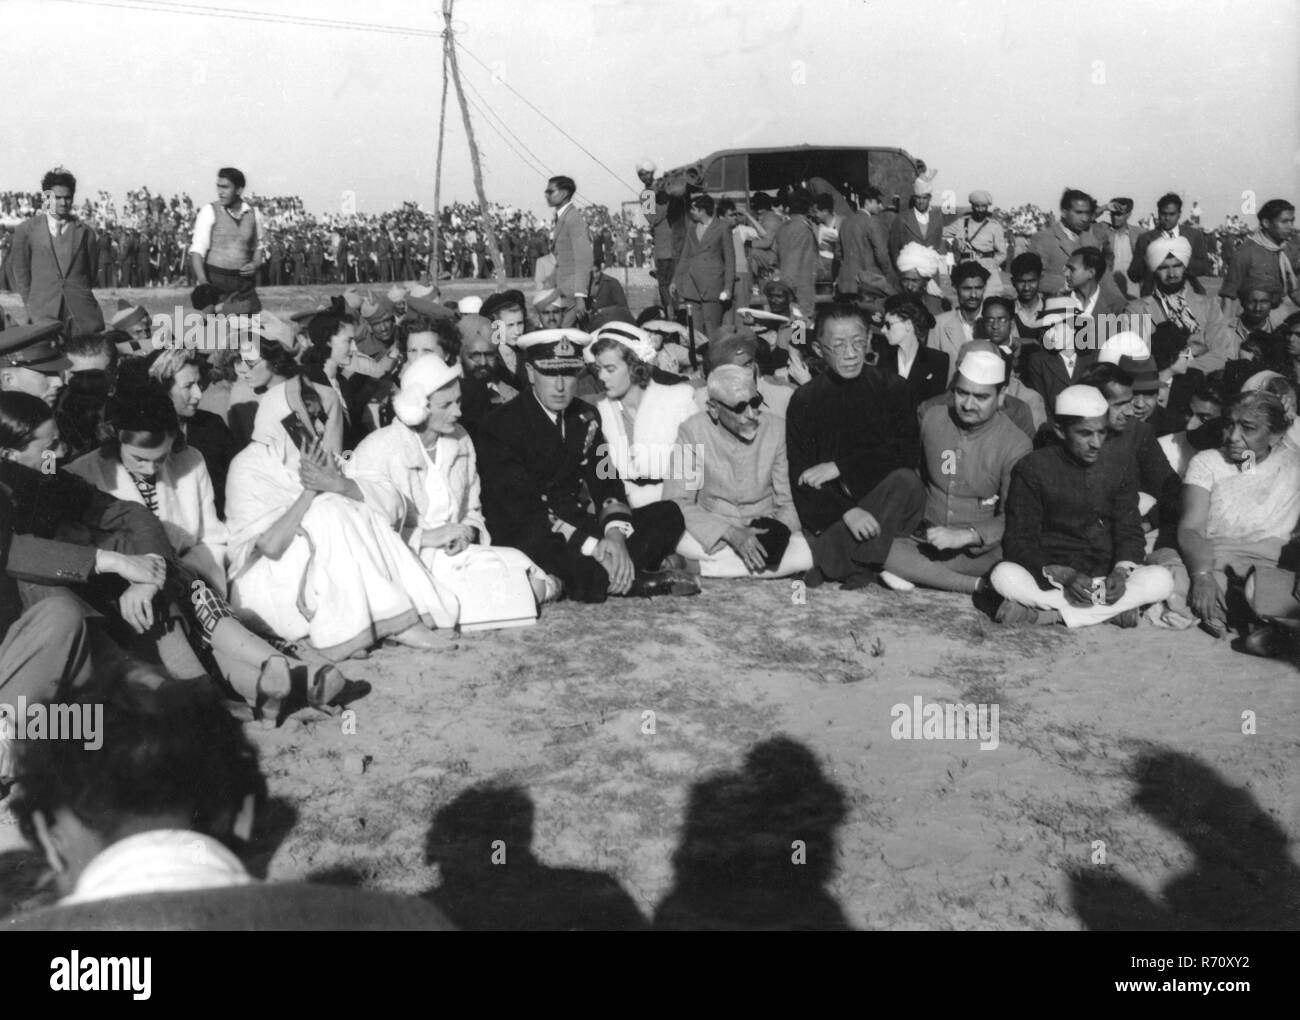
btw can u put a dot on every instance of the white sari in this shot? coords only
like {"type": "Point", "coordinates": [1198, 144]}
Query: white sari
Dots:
{"type": "Point", "coordinates": [347, 580]}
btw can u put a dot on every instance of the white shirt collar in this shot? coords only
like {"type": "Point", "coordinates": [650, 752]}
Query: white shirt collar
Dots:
{"type": "Point", "coordinates": [555, 418]}
{"type": "Point", "coordinates": [560, 210]}
{"type": "Point", "coordinates": [161, 860]}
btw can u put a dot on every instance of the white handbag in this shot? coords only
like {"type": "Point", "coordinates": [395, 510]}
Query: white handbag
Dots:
{"type": "Point", "coordinates": [492, 596]}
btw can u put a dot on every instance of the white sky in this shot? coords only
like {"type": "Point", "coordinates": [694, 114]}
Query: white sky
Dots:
{"type": "Point", "coordinates": [1021, 97]}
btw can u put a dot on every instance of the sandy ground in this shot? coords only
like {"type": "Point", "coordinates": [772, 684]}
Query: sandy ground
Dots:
{"type": "Point", "coordinates": [766, 789]}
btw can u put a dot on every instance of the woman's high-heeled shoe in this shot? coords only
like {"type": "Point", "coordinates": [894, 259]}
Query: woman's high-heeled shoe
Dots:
{"type": "Point", "coordinates": [275, 680]}
{"type": "Point", "coordinates": [326, 684]}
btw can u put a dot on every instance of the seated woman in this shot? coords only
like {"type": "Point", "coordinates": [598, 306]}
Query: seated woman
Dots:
{"type": "Point", "coordinates": [430, 462]}
{"type": "Point", "coordinates": [148, 463]}
{"type": "Point", "coordinates": [1241, 504]}
{"type": "Point", "coordinates": [639, 417]}
{"type": "Point", "coordinates": [331, 346]}
{"type": "Point", "coordinates": [904, 355]}
{"type": "Point", "coordinates": [258, 371]}
{"type": "Point", "coordinates": [310, 555]}
{"type": "Point", "coordinates": [181, 373]}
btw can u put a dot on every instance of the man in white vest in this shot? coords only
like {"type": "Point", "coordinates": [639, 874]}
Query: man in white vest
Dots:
{"type": "Point", "coordinates": [225, 252]}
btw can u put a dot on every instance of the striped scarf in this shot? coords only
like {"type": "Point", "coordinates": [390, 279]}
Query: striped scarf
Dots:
{"type": "Point", "coordinates": [148, 492]}
{"type": "Point", "coordinates": [1176, 310]}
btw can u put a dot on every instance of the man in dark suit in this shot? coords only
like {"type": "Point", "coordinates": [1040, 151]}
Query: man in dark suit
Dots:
{"type": "Point", "coordinates": [707, 265]}
{"type": "Point", "coordinates": [865, 265]}
{"type": "Point", "coordinates": [796, 254]}
{"type": "Point", "coordinates": [55, 261]}
{"type": "Point", "coordinates": [1169, 211]}
{"type": "Point", "coordinates": [918, 222]}
{"type": "Point", "coordinates": [1101, 308]}
{"type": "Point", "coordinates": [535, 455]}
{"type": "Point", "coordinates": [1057, 365]}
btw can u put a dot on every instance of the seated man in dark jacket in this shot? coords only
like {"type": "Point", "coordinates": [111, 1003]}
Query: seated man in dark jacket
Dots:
{"type": "Point", "coordinates": [851, 439]}
{"type": "Point", "coordinates": [1073, 537]}
{"type": "Point", "coordinates": [549, 490]}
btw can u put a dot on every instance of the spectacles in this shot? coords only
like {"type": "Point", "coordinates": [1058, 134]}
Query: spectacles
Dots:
{"type": "Point", "coordinates": [755, 402]}
{"type": "Point", "coordinates": [843, 346]}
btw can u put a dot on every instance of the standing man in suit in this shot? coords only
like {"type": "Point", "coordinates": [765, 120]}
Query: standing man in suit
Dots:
{"type": "Point", "coordinates": [1119, 239]}
{"type": "Point", "coordinates": [547, 491]}
{"type": "Point", "coordinates": [571, 245]}
{"type": "Point", "coordinates": [953, 330]}
{"type": "Point", "coordinates": [918, 222]}
{"type": "Point", "coordinates": [55, 261]}
{"type": "Point", "coordinates": [1070, 231]}
{"type": "Point", "coordinates": [796, 254]}
{"type": "Point", "coordinates": [1169, 211]}
{"type": "Point", "coordinates": [707, 266]}
{"type": "Point", "coordinates": [865, 265]}
{"type": "Point", "coordinates": [226, 248]}
{"type": "Point", "coordinates": [1058, 364]}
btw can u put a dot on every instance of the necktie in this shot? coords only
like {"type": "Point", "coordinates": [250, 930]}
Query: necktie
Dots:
{"type": "Point", "coordinates": [1069, 360]}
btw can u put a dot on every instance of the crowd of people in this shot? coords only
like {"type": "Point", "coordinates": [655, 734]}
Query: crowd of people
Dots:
{"type": "Point", "coordinates": [144, 242]}
{"type": "Point", "coordinates": [825, 391]}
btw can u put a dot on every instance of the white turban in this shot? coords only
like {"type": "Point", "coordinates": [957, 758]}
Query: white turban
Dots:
{"type": "Point", "coordinates": [1162, 247]}
{"type": "Point", "coordinates": [1082, 402]}
{"type": "Point", "coordinates": [420, 380]}
{"type": "Point", "coordinates": [469, 305]}
{"type": "Point", "coordinates": [645, 164]}
{"type": "Point", "coordinates": [1123, 345]}
{"type": "Point", "coordinates": [920, 258]}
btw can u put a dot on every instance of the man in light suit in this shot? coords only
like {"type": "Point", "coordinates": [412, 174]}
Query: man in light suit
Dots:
{"type": "Point", "coordinates": [953, 330]}
{"type": "Point", "coordinates": [865, 265]}
{"type": "Point", "coordinates": [1071, 231]}
{"type": "Point", "coordinates": [55, 261]}
{"type": "Point", "coordinates": [1169, 211]}
{"type": "Point", "coordinates": [571, 246]}
{"type": "Point", "coordinates": [917, 223]}
{"type": "Point", "coordinates": [707, 265]}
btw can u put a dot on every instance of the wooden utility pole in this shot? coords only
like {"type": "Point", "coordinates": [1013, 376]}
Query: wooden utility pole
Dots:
{"type": "Point", "coordinates": [436, 262]}
{"type": "Point", "coordinates": [485, 223]}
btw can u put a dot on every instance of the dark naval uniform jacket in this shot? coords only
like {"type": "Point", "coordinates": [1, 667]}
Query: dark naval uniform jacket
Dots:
{"type": "Point", "coordinates": [543, 494]}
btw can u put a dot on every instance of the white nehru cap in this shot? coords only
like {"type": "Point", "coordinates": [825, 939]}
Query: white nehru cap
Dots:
{"type": "Point", "coordinates": [1162, 247]}
{"type": "Point", "coordinates": [919, 257]}
{"type": "Point", "coordinates": [469, 305]}
{"type": "Point", "coordinates": [983, 368]}
{"type": "Point", "coordinates": [1081, 402]}
{"type": "Point", "coordinates": [1123, 345]}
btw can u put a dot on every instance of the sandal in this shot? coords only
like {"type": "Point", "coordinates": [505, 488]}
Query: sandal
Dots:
{"type": "Point", "coordinates": [326, 684]}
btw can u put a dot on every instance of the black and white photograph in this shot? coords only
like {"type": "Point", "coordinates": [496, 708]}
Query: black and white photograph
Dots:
{"type": "Point", "coordinates": [650, 465]}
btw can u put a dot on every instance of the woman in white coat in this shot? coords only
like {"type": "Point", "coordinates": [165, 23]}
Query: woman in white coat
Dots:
{"type": "Point", "coordinates": [429, 460]}
{"type": "Point", "coordinates": [639, 417]}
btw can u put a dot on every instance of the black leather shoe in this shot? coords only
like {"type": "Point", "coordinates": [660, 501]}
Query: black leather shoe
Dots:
{"type": "Point", "coordinates": [664, 582]}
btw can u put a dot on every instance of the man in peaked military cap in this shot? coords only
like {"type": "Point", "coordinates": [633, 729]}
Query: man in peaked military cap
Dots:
{"type": "Point", "coordinates": [31, 360]}
{"type": "Point", "coordinates": [537, 452]}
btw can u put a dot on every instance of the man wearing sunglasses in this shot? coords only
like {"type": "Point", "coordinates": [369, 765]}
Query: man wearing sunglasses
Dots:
{"type": "Point", "coordinates": [732, 481]}
{"type": "Point", "coordinates": [571, 244]}
{"type": "Point", "coordinates": [852, 443]}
